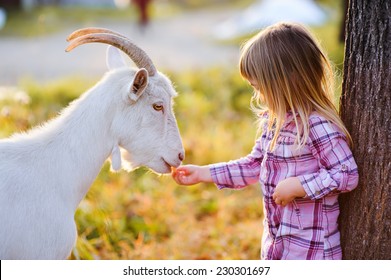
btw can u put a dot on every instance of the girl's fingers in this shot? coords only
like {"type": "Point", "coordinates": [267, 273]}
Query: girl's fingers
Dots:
{"type": "Point", "coordinates": [279, 201]}
{"type": "Point", "coordinates": [184, 180]}
{"type": "Point", "coordinates": [180, 170]}
{"type": "Point", "coordinates": [186, 175]}
{"type": "Point", "coordinates": [180, 176]}
{"type": "Point", "coordinates": [183, 170]}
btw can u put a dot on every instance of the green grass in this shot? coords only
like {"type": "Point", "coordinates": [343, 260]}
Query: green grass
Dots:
{"type": "Point", "coordinates": [49, 19]}
{"type": "Point", "coordinates": [216, 4]}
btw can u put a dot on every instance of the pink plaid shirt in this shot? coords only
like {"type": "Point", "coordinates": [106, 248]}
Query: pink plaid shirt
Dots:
{"type": "Point", "coordinates": [306, 228]}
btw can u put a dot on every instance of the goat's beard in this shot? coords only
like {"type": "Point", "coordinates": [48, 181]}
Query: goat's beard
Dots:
{"type": "Point", "coordinates": [120, 160]}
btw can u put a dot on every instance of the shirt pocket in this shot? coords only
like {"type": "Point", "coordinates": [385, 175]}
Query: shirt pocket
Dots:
{"type": "Point", "coordinates": [297, 212]}
{"type": "Point", "coordinates": [306, 212]}
{"type": "Point", "coordinates": [291, 222]}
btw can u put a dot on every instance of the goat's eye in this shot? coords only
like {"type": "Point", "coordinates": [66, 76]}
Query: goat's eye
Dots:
{"type": "Point", "coordinates": [157, 107]}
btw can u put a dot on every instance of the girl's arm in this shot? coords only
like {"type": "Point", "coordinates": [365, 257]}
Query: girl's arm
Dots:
{"type": "Point", "coordinates": [288, 190]}
{"type": "Point", "coordinates": [337, 168]}
{"type": "Point", "coordinates": [233, 174]}
{"type": "Point", "coordinates": [191, 174]}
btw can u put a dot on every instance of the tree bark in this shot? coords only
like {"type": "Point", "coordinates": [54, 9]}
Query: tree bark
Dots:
{"type": "Point", "coordinates": [10, 4]}
{"type": "Point", "coordinates": [342, 31]}
{"type": "Point", "coordinates": [365, 220]}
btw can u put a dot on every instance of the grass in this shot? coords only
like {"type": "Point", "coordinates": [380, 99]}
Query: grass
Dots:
{"type": "Point", "coordinates": [50, 19]}
{"type": "Point", "coordinates": [216, 4]}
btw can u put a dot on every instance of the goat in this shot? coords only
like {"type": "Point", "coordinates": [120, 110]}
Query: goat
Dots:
{"type": "Point", "coordinates": [46, 172]}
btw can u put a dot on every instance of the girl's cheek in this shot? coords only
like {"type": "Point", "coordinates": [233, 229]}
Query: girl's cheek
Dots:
{"type": "Point", "coordinates": [261, 97]}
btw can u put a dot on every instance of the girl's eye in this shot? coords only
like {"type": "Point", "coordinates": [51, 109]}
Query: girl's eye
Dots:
{"type": "Point", "coordinates": [157, 107]}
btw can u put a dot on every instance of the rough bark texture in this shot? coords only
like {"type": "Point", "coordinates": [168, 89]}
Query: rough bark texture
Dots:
{"type": "Point", "coordinates": [365, 220]}
{"type": "Point", "coordinates": [8, 4]}
{"type": "Point", "coordinates": [345, 4]}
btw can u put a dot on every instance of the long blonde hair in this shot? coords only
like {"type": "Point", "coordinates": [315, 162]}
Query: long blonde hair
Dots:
{"type": "Point", "coordinates": [291, 73]}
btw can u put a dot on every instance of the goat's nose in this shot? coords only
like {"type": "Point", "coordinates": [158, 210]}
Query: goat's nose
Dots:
{"type": "Point", "coordinates": [181, 156]}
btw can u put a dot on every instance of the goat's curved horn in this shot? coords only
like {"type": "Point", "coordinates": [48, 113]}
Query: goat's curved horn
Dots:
{"type": "Point", "coordinates": [101, 35]}
{"type": "Point", "coordinates": [91, 30]}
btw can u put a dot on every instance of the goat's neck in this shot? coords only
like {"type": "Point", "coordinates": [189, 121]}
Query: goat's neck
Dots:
{"type": "Point", "coordinates": [86, 142]}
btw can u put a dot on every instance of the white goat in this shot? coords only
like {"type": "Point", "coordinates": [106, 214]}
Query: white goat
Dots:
{"type": "Point", "coordinates": [46, 172]}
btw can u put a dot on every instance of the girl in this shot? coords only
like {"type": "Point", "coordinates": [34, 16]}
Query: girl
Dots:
{"type": "Point", "coordinates": [302, 158]}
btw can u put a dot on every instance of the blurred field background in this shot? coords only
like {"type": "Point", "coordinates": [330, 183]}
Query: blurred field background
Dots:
{"type": "Point", "coordinates": [142, 215]}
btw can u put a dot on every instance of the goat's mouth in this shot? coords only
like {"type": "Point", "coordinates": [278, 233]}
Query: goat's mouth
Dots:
{"type": "Point", "coordinates": [167, 164]}
{"type": "Point", "coordinates": [161, 166]}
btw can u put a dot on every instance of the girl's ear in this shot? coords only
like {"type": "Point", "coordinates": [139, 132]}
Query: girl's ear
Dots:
{"type": "Point", "coordinates": [114, 58]}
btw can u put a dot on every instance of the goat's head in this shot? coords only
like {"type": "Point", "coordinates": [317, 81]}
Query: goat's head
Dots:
{"type": "Point", "coordinates": [144, 123]}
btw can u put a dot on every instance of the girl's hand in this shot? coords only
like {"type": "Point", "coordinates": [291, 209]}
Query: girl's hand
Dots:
{"type": "Point", "coordinates": [191, 174]}
{"type": "Point", "coordinates": [287, 190]}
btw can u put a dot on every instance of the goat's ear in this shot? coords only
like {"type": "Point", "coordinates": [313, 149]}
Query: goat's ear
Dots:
{"type": "Point", "coordinates": [114, 58]}
{"type": "Point", "coordinates": [140, 82]}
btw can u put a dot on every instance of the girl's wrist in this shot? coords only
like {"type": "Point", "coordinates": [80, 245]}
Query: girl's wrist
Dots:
{"type": "Point", "coordinates": [299, 191]}
{"type": "Point", "coordinates": [205, 175]}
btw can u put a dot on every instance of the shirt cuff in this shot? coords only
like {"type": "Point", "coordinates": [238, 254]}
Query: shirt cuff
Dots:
{"type": "Point", "coordinates": [317, 185]}
{"type": "Point", "coordinates": [218, 173]}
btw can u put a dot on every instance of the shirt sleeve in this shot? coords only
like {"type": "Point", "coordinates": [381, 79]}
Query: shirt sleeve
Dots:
{"type": "Point", "coordinates": [337, 167]}
{"type": "Point", "coordinates": [237, 174]}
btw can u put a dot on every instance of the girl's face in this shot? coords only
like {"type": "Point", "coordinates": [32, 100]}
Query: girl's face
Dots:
{"type": "Point", "coordinates": [255, 86]}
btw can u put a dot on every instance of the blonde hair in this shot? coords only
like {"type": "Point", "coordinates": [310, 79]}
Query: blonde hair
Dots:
{"type": "Point", "coordinates": [291, 73]}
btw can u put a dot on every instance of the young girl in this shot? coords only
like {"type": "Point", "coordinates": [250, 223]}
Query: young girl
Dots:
{"type": "Point", "coordinates": [302, 158]}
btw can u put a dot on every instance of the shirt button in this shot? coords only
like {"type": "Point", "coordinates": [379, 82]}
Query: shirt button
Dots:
{"type": "Point", "coordinates": [344, 167]}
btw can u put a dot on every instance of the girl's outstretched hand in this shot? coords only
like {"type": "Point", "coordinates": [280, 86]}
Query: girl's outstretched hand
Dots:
{"type": "Point", "coordinates": [191, 174]}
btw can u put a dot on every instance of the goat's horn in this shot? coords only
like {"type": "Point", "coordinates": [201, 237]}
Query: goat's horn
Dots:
{"type": "Point", "coordinates": [140, 57]}
{"type": "Point", "coordinates": [91, 30]}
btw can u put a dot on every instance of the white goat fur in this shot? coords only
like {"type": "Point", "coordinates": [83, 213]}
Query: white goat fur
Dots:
{"type": "Point", "coordinates": [46, 172]}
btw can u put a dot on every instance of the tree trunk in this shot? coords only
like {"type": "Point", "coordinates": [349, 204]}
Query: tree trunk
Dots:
{"type": "Point", "coordinates": [10, 4]}
{"type": "Point", "coordinates": [342, 31]}
{"type": "Point", "coordinates": [365, 220]}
